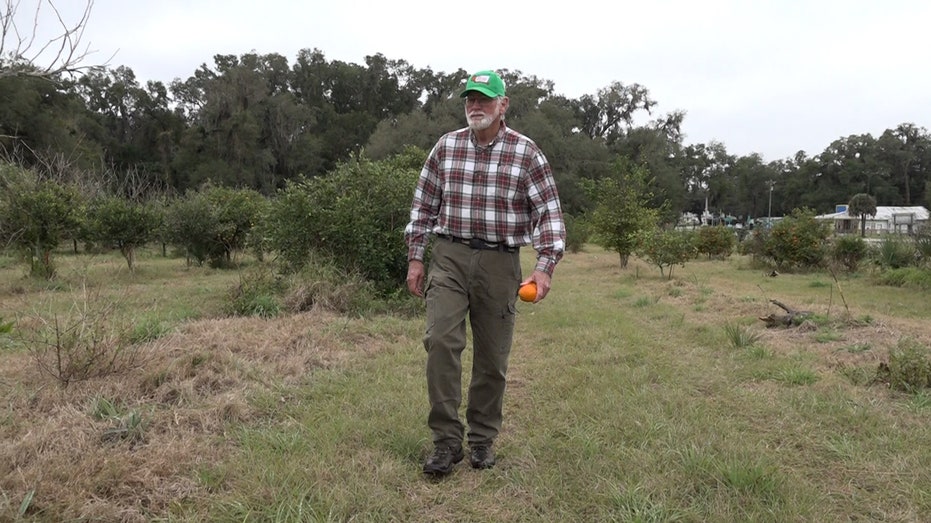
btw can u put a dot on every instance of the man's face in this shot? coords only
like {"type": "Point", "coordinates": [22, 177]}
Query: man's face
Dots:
{"type": "Point", "coordinates": [482, 111]}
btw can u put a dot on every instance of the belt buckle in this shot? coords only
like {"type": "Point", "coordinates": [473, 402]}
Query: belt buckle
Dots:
{"type": "Point", "coordinates": [475, 243]}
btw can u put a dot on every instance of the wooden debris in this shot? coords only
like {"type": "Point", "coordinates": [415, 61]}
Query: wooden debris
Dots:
{"type": "Point", "coordinates": [792, 317]}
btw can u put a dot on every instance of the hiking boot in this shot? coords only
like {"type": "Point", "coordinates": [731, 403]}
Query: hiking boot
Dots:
{"type": "Point", "coordinates": [481, 456]}
{"type": "Point", "coordinates": [441, 462]}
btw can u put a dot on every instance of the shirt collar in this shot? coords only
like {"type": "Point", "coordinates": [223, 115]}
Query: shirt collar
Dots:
{"type": "Point", "coordinates": [502, 129]}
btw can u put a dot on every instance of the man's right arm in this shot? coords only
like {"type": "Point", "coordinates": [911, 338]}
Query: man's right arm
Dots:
{"type": "Point", "coordinates": [424, 212]}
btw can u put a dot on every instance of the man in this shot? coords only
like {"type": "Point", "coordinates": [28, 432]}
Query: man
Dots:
{"type": "Point", "coordinates": [484, 191]}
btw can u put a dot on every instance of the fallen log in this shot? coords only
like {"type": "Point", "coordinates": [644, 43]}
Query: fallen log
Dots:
{"type": "Point", "coordinates": [792, 317]}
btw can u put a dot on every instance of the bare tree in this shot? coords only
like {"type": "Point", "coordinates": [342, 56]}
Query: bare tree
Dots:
{"type": "Point", "coordinates": [24, 51]}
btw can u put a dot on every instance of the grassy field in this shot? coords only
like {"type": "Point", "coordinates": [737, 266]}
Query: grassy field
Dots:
{"type": "Point", "coordinates": [631, 398]}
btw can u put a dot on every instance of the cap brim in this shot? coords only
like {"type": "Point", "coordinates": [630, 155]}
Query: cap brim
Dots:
{"type": "Point", "coordinates": [480, 89]}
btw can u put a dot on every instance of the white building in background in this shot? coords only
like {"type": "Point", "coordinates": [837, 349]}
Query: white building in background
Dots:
{"type": "Point", "coordinates": [901, 220]}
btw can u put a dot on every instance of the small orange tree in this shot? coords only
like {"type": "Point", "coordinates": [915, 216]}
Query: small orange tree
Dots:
{"type": "Point", "coordinates": [665, 248]}
{"type": "Point", "coordinates": [716, 241]}
{"type": "Point", "coordinates": [797, 241]}
{"type": "Point", "coordinates": [622, 208]}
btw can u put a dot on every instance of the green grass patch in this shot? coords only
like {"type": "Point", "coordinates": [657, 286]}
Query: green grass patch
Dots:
{"type": "Point", "coordinates": [827, 336]}
{"type": "Point", "coordinates": [908, 277]}
{"type": "Point", "coordinates": [671, 411]}
{"type": "Point", "coordinates": [858, 348]}
{"type": "Point", "coordinates": [796, 376]}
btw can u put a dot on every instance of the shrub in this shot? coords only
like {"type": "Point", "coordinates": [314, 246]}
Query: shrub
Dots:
{"type": "Point", "coordinates": [578, 233]}
{"type": "Point", "coordinates": [212, 223]}
{"type": "Point", "coordinates": [82, 344]}
{"type": "Point", "coordinates": [715, 242]}
{"type": "Point", "coordinates": [741, 336]}
{"type": "Point", "coordinates": [796, 241]}
{"type": "Point", "coordinates": [623, 208]}
{"type": "Point", "coordinates": [909, 277]}
{"type": "Point", "coordinates": [665, 248]}
{"type": "Point", "coordinates": [849, 251]}
{"type": "Point", "coordinates": [35, 215]}
{"type": "Point", "coordinates": [354, 216]}
{"type": "Point", "coordinates": [123, 224]}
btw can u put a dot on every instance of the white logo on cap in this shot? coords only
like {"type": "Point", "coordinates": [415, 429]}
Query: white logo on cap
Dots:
{"type": "Point", "coordinates": [481, 79]}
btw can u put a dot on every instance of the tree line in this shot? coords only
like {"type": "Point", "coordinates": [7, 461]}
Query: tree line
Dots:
{"type": "Point", "coordinates": [258, 121]}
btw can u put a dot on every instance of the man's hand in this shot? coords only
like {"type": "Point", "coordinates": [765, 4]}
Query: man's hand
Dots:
{"type": "Point", "coordinates": [415, 277]}
{"type": "Point", "coordinates": [542, 280]}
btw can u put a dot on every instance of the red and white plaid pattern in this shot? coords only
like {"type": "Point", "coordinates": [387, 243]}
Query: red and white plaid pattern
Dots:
{"type": "Point", "coordinates": [503, 192]}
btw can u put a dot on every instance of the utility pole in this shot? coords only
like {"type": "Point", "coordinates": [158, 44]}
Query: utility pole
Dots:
{"type": "Point", "coordinates": [769, 214]}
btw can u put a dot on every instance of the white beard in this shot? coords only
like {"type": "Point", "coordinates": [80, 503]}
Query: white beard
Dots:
{"type": "Point", "coordinates": [484, 123]}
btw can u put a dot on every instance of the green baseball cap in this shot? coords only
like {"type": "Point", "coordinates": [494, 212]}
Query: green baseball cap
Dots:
{"type": "Point", "coordinates": [485, 82]}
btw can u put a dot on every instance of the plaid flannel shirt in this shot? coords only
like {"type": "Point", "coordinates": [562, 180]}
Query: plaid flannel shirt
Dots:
{"type": "Point", "coordinates": [501, 193]}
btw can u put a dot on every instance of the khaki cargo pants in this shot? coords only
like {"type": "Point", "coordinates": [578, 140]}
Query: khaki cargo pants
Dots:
{"type": "Point", "coordinates": [480, 284]}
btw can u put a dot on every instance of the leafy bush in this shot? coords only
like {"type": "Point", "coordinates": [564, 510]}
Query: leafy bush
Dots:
{"type": "Point", "coordinates": [35, 215]}
{"type": "Point", "coordinates": [623, 207]}
{"type": "Point", "coordinates": [716, 242]}
{"type": "Point", "coordinates": [849, 251]}
{"type": "Point", "coordinates": [797, 241]}
{"type": "Point", "coordinates": [213, 223]}
{"type": "Point", "coordinates": [665, 248]}
{"type": "Point", "coordinates": [578, 233]}
{"type": "Point", "coordinates": [894, 252]}
{"type": "Point", "coordinates": [354, 216]}
{"type": "Point", "coordinates": [909, 368]}
{"type": "Point", "coordinates": [118, 222]}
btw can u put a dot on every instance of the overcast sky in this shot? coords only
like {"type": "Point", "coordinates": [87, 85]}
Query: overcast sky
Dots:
{"type": "Point", "coordinates": [771, 77]}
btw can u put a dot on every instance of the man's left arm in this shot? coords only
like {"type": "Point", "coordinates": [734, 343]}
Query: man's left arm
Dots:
{"type": "Point", "coordinates": [549, 230]}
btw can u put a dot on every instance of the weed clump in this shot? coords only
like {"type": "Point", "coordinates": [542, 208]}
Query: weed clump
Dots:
{"type": "Point", "coordinates": [909, 367]}
{"type": "Point", "coordinates": [256, 294]}
{"type": "Point", "coordinates": [741, 336]}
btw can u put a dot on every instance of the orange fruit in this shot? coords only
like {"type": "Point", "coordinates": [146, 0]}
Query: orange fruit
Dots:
{"type": "Point", "coordinates": [528, 292]}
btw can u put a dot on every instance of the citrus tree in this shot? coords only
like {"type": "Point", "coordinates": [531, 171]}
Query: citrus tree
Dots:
{"type": "Point", "coordinates": [666, 247]}
{"type": "Point", "coordinates": [212, 223]}
{"type": "Point", "coordinates": [355, 216]}
{"type": "Point", "coordinates": [622, 208]}
{"type": "Point", "coordinates": [797, 241]}
{"type": "Point", "coordinates": [716, 241]}
{"type": "Point", "coordinates": [35, 215]}
{"type": "Point", "coordinates": [121, 223]}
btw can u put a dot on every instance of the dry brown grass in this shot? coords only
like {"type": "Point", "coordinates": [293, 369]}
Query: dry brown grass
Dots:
{"type": "Point", "coordinates": [193, 385]}
{"type": "Point", "coordinates": [720, 297]}
{"type": "Point", "coordinates": [198, 385]}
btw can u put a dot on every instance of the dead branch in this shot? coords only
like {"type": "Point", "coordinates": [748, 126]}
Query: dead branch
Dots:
{"type": "Point", "coordinates": [24, 53]}
{"type": "Point", "coordinates": [791, 318]}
